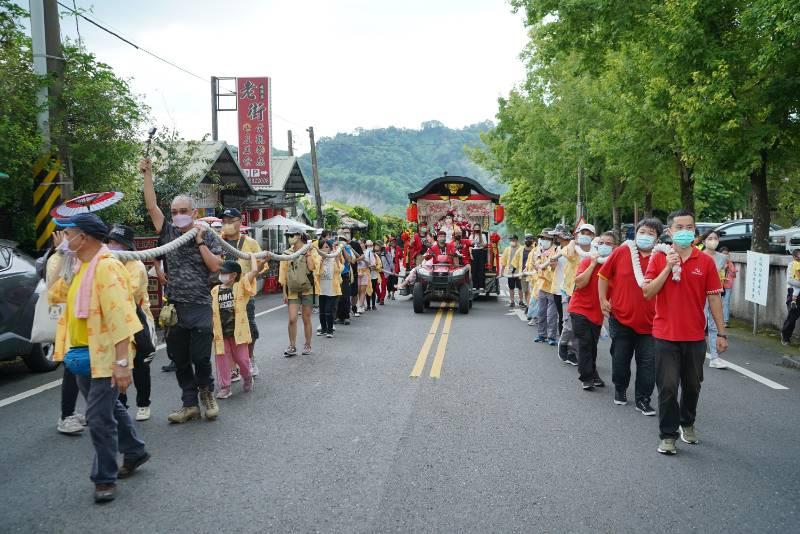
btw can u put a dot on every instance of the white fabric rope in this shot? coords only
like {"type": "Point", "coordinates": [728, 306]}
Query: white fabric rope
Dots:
{"type": "Point", "coordinates": [637, 266]}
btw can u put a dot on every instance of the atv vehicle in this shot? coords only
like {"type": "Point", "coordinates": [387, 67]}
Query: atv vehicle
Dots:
{"type": "Point", "coordinates": [445, 281]}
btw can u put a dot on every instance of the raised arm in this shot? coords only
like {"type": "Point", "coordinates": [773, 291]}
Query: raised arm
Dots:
{"type": "Point", "coordinates": [150, 202]}
{"type": "Point", "coordinates": [253, 268]}
{"type": "Point", "coordinates": [582, 280]}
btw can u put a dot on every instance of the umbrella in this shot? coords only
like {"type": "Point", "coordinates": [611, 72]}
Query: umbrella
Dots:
{"type": "Point", "coordinates": [86, 203]}
{"type": "Point", "coordinates": [279, 221]}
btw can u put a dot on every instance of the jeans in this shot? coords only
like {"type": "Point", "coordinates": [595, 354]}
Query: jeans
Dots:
{"type": "Point", "coordinates": [343, 311]}
{"type": "Point", "coordinates": [326, 313]}
{"type": "Point", "coordinates": [627, 344]}
{"type": "Point", "coordinates": [110, 428]}
{"type": "Point", "coordinates": [711, 327]}
{"type": "Point", "coordinates": [141, 380]}
{"type": "Point", "coordinates": [587, 334]}
{"type": "Point", "coordinates": [567, 344]}
{"type": "Point", "coordinates": [678, 363]}
{"type": "Point", "coordinates": [726, 305]}
{"type": "Point", "coordinates": [240, 354]}
{"type": "Point", "coordinates": [69, 394]}
{"type": "Point", "coordinates": [791, 320]}
{"type": "Point", "coordinates": [191, 347]}
{"type": "Point", "coordinates": [548, 315]}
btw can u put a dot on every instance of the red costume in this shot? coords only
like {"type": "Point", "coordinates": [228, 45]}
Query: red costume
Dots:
{"type": "Point", "coordinates": [435, 250]}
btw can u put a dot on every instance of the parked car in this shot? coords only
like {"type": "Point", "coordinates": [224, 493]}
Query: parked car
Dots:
{"type": "Point", "coordinates": [703, 227]}
{"type": "Point", "coordinates": [787, 240]}
{"type": "Point", "coordinates": [18, 281]}
{"type": "Point", "coordinates": [738, 235]}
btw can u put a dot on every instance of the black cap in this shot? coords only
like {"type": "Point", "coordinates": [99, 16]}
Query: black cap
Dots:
{"type": "Point", "coordinates": [230, 266]}
{"type": "Point", "coordinates": [89, 223]}
{"type": "Point", "coordinates": [232, 212]}
{"type": "Point", "coordinates": [513, 237]}
{"type": "Point", "coordinates": [123, 235]}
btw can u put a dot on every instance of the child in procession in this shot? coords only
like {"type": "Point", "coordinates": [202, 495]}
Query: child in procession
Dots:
{"type": "Point", "coordinates": [328, 280]}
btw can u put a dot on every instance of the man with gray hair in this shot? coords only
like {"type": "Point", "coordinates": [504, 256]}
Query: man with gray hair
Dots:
{"type": "Point", "coordinates": [189, 341]}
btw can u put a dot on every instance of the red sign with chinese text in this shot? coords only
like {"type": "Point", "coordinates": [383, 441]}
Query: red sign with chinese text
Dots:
{"type": "Point", "coordinates": [255, 129]}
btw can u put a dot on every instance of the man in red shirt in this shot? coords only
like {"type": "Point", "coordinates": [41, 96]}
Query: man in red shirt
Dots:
{"type": "Point", "coordinates": [679, 327]}
{"type": "Point", "coordinates": [630, 317]}
{"type": "Point", "coordinates": [441, 247]}
{"type": "Point", "coordinates": [585, 313]}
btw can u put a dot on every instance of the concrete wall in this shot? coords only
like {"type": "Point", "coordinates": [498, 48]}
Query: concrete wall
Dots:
{"type": "Point", "coordinates": [775, 312]}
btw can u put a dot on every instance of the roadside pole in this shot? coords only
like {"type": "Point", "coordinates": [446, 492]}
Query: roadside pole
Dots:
{"type": "Point", "coordinates": [214, 124]}
{"type": "Point", "coordinates": [291, 148]}
{"type": "Point", "coordinates": [315, 174]}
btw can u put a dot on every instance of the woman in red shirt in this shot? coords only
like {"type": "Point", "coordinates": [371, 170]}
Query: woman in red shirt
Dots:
{"type": "Point", "coordinates": [586, 314]}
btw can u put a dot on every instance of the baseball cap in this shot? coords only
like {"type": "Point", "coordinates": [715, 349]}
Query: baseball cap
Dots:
{"type": "Point", "coordinates": [123, 235]}
{"type": "Point", "coordinates": [293, 230]}
{"type": "Point", "coordinates": [587, 226]}
{"type": "Point", "coordinates": [89, 223]}
{"type": "Point", "coordinates": [230, 266]}
{"type": "Point", "coordinates": [232, 213]}
{"type": "Point", "coordinates": [528, 236]}
{"type": "Point", "coordinates": [513, 236]}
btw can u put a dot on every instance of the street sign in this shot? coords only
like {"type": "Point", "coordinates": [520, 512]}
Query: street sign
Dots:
{"type": "Point", "coordinates": [255, 129]}
{"type": "Point", "coordinates": [756, 284]}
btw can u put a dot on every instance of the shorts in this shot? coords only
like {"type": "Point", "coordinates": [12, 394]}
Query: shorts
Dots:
{"type": "Point", "coordinates": [514, 283]}
{"type": "Point", "coordinates": [363, 279]}
{"type": "Point", "coordinates": [303, 300]}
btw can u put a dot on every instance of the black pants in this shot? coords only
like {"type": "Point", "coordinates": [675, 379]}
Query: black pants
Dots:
{"type": "Point", "coordinates": [372, 298]}
{"type": "Point", "coordinates": [69, 393]}
{"type": "Point", "coordinates": [343, 305]}
{"type": "Point", "coordinates": [141, 380]}
{"type": "Point", "coordinates": [791, 320]}
{"type": "Point", "coordinates": [587, 334]}
{"type": "Point", "coordinates": [560, 310]}
{"type": "Point", "coordinates": [479, 268]}
{"type": "Point", "coordinates": [678, 363]}
{"type": "Point", "coordinates": [326, 313]}
{"type": "Point", "coordinates": [191, 351]}
{"type": "Point", "coordinates": [626, 344]}
{"type": "Point", "coordinates": [251, 318]}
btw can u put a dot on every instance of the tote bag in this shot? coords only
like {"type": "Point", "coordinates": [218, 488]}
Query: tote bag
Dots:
{"type": "Point", "coordinates": [45, 317]}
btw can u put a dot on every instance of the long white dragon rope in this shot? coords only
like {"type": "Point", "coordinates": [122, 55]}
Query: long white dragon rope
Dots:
{"type": "Point", "coordinates": [637, 266]}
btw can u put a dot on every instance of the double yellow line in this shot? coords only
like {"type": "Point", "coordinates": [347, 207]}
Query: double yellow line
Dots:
{"type": "Point", "coordinates": [438, 359]}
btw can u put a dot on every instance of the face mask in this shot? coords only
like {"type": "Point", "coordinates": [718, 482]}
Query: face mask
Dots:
{"type": "Point", "coordinates": [442, 242]}
{"type": "Point", "coordinates": [683, 238]}
{"type": "Point", "coordinates": [584, 240]}
{"type": "Point", "coordinates": [228, 228]}
{"type": "Point", "coordinates": [645, 242]}
{"type": "Point", "coordinates": [545, 243]}
{"type": "Point", "coordinates": [225, 278]}
{"type": "Point", "coordinates": [115, 246]}
{"type": "Point", "coordinates": [293, 239]}
{"type": "Point", "coordinates": [63, 247]}
{"type": "Point", "coordinates": [712, 244]}
{"type": "Point", "coordinates": [528, 243]}
{"type": "Point", "coordinates": [69, 241]}
{"type": "Point", "coordinates": [182, 220]}
{"type": "Point", "coordinates": [604, 250]}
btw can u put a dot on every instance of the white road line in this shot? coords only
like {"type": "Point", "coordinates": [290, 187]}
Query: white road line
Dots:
{"type": "Point", "coordinates": [519, 313]}
{"type": "Point", "coordinates": [750, 374]}
{"type": "Point", "coordinates": [56, 383]}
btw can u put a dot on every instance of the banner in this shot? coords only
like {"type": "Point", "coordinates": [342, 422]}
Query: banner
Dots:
{"type": "Point", "coordinates": [255, 129]}
{"type": "Point", "coordinates": [756, 284]}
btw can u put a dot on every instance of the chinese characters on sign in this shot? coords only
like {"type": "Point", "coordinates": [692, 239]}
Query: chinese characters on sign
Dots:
{"type": "Point", "coordinates": [255, 113]}
{"type": "Point", "coordinates": [757, 282]}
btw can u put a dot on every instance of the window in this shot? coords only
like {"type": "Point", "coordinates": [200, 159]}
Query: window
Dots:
{"type": "Point", "coordinates": [736, 229]}
{"type": "Point", "coordinates": [5, 258]}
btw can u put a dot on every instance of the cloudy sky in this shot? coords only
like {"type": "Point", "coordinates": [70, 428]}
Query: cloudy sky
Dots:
{"type": "Point", "coordinates": [335, 64]}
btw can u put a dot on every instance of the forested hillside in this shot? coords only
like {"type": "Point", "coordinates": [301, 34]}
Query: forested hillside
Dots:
{"type": "Point", "coordinates": [378, 168]}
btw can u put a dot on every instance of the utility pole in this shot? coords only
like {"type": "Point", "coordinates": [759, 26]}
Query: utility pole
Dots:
{"type": "Point", "coordinates": [315, 174]}
{"type": "Point", "coordinates": [55, 69]}
{"type": "Point", "coordinates": [579, 204]}
{"type": "Point", "coordinates": [39, 49]}
{"type": "Point", "coordinates": [214, 127]}
{"type": "Point", "coordinates": [291, 148]}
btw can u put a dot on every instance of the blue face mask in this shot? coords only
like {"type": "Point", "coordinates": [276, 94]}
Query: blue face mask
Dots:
{"type": "Point", "coordinates": [604, 250]}
{"type": "Point", "coordinates": [683, 238]}
{"type": "Point", "coordinates": [584, 240]}
{"type": "Point", "coordinates": [645, 242]}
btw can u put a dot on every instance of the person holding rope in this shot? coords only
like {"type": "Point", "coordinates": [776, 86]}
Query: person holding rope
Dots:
{"type": "Point", "coordinates": [297, 279]}
{"type": "Point", "coordinates": [189, 340]}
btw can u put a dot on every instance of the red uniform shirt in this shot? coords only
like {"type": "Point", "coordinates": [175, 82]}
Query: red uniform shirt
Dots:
{"type": "Point", "coordinates": [434, 250]}
{"type": "Point", "coordinates": [680, 306]}
{"type": "Point", "coordinates": [585, 301]}
{"type": "Point", "coordinates": [628, 305]}
{"type": "Point", "coordinates": [466, 244]}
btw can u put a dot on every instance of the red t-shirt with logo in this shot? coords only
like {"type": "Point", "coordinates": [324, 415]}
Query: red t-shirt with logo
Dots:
{"type": "Point", "coordinates": [585, 301]}
{"type": "Point", "coordinates": [680, 306]}
{"type": "Point", "coordinates": [628, 305]}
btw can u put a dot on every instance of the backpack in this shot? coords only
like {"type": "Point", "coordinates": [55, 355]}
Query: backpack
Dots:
{"type": "Point", "coordinates": [298, 278]}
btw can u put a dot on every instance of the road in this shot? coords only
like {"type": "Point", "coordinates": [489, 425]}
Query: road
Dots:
{"type": "Point", "coordinates": [346, 440]}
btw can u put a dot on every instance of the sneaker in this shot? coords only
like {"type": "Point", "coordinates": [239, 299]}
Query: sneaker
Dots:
{"type": "Point", "coordinates": [598, 383]}
{"type": "Point", "coordinates": [357, 314]}
{"type": "Point", "coordinates": [290, 351]}
{"type": "Point", "coordinates": [104, 492]}
{"type": "Point", "coordinates": [306, 350]}
{"type": "Point", "coordinates": [248, 383]}
{"type": "Point", "coordinates": [510, 304]}
{"type": "Point", "coordinates": [184, 414]}
{"type": "Point", "coordinates": [329, 335]}
{"type": "Point", "coordinates": [320, 332]}
{"type": "Point", "coordinates": [667, 446]}
{"type": "Point", "coordinates": [169, 368]}
{"type": "Point", "coordinates": [209, 403]}
{"type": "Point", "coordinates": [253, 368]}
{"type": "Point", "coordinates": [224, 393]}
{"type": "Point", "coordinates": [150, 358]}
{"type": "Point", "coordinates": [391, 298]}
{"type": "Point", "coordinates": [588, 385]}
{"type": "Point", "coordinates": [127, 468]}
{"type": "Point", "coordinates": [532, 322]}
{"type": "Point", "coordinates": [381, 303]}
{"type": "Point", "coordinates": [540, 339]}
{"type": "Point", "coordinates": [236, 375]}
{"type": "Point", "coordinates": [70, 425]}
{"type": "Point", "coordinates": [620, 397]}
{"type": "Point", "coordinates": [572, 359]}
{"type": "Point", "coordinates": [784, 341]}
{"type": "Point", "coordinates": [143, 413]}
{"type": "Point", "coordinates": [562, 355]}
{"type": "Point", "coordinates": [688, 435]}
{"type": "Point", "coordinates": [718, 363]}
{"type": "Point", "coordinates": [347, 322]}
{"type": "Point", "coordinates": [82, 419]}
{"type": "Point", "coordinates": [644, 406]}
{"type": "Point", "coordinates": [552, 342]}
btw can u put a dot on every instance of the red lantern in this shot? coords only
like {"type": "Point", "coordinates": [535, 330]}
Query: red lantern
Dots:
{"type": "Point", "coordinates": [411, 213]}
{"type": "Point", "coordinates": [499, 214]}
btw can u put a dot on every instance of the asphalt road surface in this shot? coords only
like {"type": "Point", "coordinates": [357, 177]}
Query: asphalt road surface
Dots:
{"type": "Point", "coordinates": [346, 440]}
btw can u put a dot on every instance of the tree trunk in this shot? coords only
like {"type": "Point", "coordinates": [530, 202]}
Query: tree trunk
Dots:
{"type": "Point", "coordinates": [648, 204]}
{"type": "Point", "coordinates": [686, 175]}
{"type": "Point", "coordinates": [615, 193]}
{"type": "Point", "coordinates": [760, 196]}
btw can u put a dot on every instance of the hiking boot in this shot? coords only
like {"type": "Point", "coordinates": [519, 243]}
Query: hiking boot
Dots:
{"type": "Point", "coordinates": [224, 393]}
{"type": "Point", "coordinates": [209, 403]}
{"type": "Point", "coordinates": [598, 383]}
{"type": "Point", "coordinates": [688, 435]}
{"type": "Point", "coordinates": [127, 468]}
{"type": "Point", "coordinates": [104, 492]}
{"type": "Point", "coordinates": [184, 414]}
{"type": "Point", "coordinates": [620, 397]}
{"type": "Point", "coordinates": [643, 405]}
{"type": "Point", "coordinates": [667, 446]}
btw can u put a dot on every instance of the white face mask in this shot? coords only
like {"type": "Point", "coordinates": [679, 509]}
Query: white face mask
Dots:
{"type": "Point", "coordinates": [226, 278]}
{"type": "Point", "coordinates": [182, 220]}
{"type": "Point", "coordinates": [712, 244]}
{"type": "Point", "coordinates": [545, 243]}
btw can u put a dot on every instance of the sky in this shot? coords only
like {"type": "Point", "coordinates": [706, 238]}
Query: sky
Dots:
{"type": "Point", "coordinates": [336, 65]}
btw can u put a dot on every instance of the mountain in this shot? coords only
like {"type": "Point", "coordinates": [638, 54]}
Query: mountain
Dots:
{"type": "Point", "coordinates": [378, 168]}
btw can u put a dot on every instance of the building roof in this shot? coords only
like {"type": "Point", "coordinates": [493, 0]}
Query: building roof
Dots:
{"type": "Point", "coordinates": [439, 186]}
{"type": "Point", "coordinates": [286, 176]}
{"type": "Point", "coordinates": [218, 156]}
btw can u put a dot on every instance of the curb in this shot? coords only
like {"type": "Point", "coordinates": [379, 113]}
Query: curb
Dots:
{"type": "Point", "coordinates": [790, 361]}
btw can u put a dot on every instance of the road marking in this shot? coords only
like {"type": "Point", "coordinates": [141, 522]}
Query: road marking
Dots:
{"type": "Point", "coordinates": [56, 383]}
{"type": "Point", "coordinates": [519, 313]}
{"type": "Point", "coordinates": [750, 374]}
{"type": "Point", "coordinates": [426, 345]}
{"type": "Point", "coordinates": [436, 368]}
